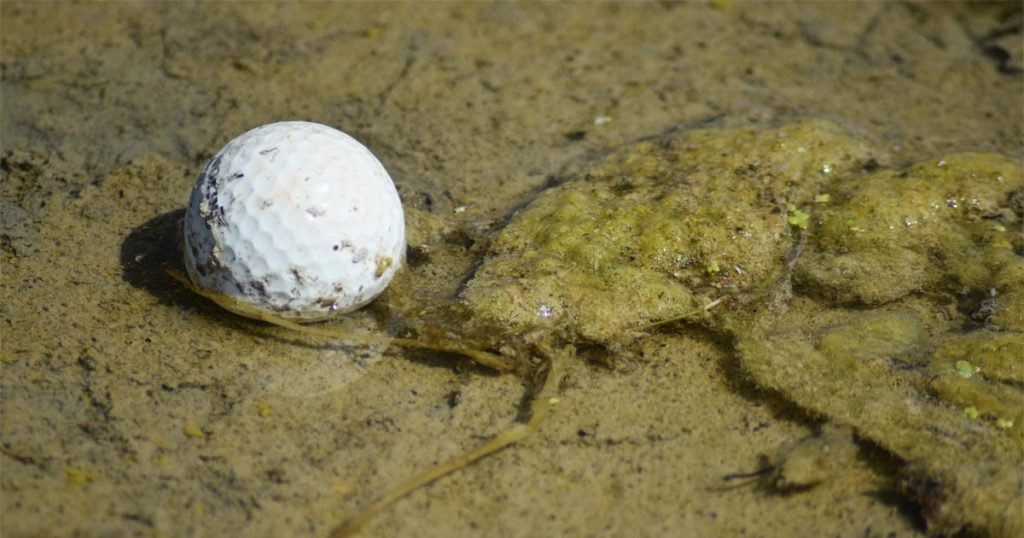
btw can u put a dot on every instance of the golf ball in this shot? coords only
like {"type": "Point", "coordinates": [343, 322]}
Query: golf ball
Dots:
{"type": "Point", "coordinates": [294, 219]}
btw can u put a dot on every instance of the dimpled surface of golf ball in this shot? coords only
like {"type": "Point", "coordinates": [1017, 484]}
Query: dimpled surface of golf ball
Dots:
{"type": "Point", "coordinates": [294, 219]}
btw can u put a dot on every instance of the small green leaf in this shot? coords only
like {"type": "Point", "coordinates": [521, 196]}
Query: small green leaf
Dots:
{"type": "Point", "coordinates": [966, 369]}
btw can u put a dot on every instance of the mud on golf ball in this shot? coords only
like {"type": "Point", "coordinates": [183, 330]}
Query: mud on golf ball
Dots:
{"type": "Point", "coordinates": [296, 220]}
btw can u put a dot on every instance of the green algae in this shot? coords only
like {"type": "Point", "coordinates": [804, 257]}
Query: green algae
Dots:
{"type": "Point", "coordinates": [863, 294]}
{"type": "Point", "coordinates": [812, 460]}
{"type": "Point", "coordinates": [872, 337]}
{"type": "Point", "coordinates": [885, 301]}
{"type": "Point", "coordinates": [901, 231]}
{"type": "Point", "coordinates": [882, 337]}
{"type": "Point", "coordinates": [995, 356]}
{"type": "Point", "coordinates": [657, 231]}
{"type": "Point", "coordinates": [971, 467]}
{"type": "Point", "coordinates": [984, 371]}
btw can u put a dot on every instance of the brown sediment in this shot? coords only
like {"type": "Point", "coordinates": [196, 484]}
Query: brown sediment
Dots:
{"type": "Point", "coordinates": [108, 367]}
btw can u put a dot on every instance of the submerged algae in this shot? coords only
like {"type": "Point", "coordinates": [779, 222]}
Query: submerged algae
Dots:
{"type": "Point", "coordinates": [944, 223]}
{"type": "Point", "coordinates": [889, 395]}
{"type": "Point", "coordinates": [663, 227]}
{"type": "Point", "coordinates": [915, 371]}
{"type": "Point", "coordinates": [807, 462]}
{"type": "Point", "coordinates": [995, 376]}
{"type": "Point", "coordinates": [861, 312]}
{"type": "Point", "coordinates": [657, 231]}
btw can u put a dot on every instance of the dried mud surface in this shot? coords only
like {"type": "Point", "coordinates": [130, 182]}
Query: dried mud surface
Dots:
{"type": "Point", "coordinates": [131, 407]}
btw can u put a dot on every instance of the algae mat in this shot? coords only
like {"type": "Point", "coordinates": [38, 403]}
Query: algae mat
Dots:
{"type": "Point", "coordinates": [131, 407]}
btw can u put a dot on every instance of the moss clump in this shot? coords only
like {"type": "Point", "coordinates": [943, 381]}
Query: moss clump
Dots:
{"type": "Point", "coordinates": [657, 230]}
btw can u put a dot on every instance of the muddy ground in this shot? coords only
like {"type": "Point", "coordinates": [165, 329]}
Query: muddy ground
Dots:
{"type": "Point", "coordinates": [131, 407]}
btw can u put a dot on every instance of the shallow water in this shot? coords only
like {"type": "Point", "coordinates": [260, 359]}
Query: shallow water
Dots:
{"type": "Point", "coordinates": [131, 406]}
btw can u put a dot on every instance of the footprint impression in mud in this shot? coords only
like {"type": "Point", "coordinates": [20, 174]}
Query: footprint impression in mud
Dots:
{"type": "Point", "coordinates": [794, 242]}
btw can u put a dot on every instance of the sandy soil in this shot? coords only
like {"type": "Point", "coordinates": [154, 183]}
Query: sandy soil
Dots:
{"type": "Point", "coordinates": [132, 408]}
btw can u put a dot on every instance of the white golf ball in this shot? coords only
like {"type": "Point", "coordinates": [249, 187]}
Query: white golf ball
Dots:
{"type": "Point", "coordinates": [295, 219]}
